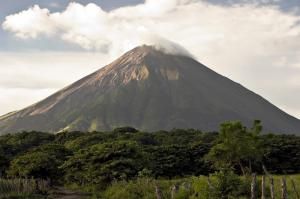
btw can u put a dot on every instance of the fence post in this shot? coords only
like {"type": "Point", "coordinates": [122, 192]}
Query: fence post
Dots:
{"type": "Point", "coordinates": [271, 182]}
{"type": "Point", "coordinates": [158, 192]}
{"type": "Point", "coordinates": [283, 189]}
{"type": "Point", "coordinates": [174, 190]}
{"type": "Point", "coordinates": [263, 187]}
{"type": "Point", "coordinates": [37, 188]}
{"type": "Point", "coordinates": [253, 187]}
{"type": "Point", "coordinates": [272, 188]}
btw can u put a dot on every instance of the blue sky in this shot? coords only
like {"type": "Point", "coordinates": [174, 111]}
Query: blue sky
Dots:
{"type": "Point", "coordinates": [46, 45]}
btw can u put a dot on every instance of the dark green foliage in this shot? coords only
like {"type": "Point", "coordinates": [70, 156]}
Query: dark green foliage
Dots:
{"type": "Point", "coordinates": [63, 137]}
{"type": "Point", "coordinates": [235, 145]}
{"type": "Point", "coordinates": [125, 130]}
{"type": "Point", "coordinates": [282, 153]}
{"type": "Point", "coordinates": [199, 165]}
{"type": "Point", "coordinates": [42, 162]}
{"type": "Point", "coordinates": [169, 161]}
{"type": "Point", "coordinates": [223, 185]}
{"type": "Point", "coordinates": [12, 145]}
{"type": "Point", "coordinates": [4, 162]}
{"type": "Point", "coordinates": [85, 141]}
{"type": "Point", "coordinates": [16, 144]}
{"type": "Point", "coordinates": [102, 163]}
{"type": "Point", "coordinates": [181, 137]}
{"type": "Point", "coordinates": [146, 139]}
{"type": "Point", "coordinates": [100, 158]}
{"type": "Point", "coordinates": [178, 160]}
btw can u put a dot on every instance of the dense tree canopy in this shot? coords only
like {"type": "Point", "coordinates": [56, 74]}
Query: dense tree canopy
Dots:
{"type": "Point", "coordinates": [99, 158]}
{"type": "Point", "coordinates": [12, 145]}
{"type": "Point", "coordinates": [103, 163]}
{"type": "Point", "coordinates": [41, 162]}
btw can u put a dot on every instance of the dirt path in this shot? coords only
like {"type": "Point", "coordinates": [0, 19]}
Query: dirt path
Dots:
{"type": "Point", "coordinates": [62, 193]}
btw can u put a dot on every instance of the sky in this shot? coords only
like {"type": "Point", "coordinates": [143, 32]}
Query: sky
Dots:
{"type": "Point", "coordinates": [46, 45]}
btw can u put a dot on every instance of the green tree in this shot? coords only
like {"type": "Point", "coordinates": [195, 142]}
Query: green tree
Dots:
{"type": "Point", "coordinates": [3, 164]}
{"type": "Point", "coordinates": [102, 163]}
{"type": "Point", "coordinates": [13, 145]}
{"type": "Point", "coordinates": [42, 162]}
{"type": "Point", "coordinates": [170, 161]}
{"type": "Point", "coordinates": [125, 129]}
{"type": "Point", "coordinates": [224, 184]}
{"type": "Point", "coordinates": [282, 154]}
{"type": "Point", "coordinates": [236, 145]}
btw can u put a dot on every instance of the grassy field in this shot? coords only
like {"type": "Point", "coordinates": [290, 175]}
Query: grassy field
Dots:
{"type": "Point", "coordinates": [146, 188]}
{"type": "Point", "coordinates": [191, 188]}
{"type": "Point", "coordinates": [289, 178]}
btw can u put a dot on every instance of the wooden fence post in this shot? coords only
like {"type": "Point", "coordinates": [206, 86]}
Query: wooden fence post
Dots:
{"type": "Point", "coordinates": [295, 189]}
{"type": "Point", "coordinates": [272, 188]}
{"type": "Point", "coordinates": [158, 192]}
{"type": "Point", "coordinates": [174, 190]}
{"type": "Point", "coordinates": [272, 191]}
{"type": "Point", "coordinates": [37, 188]}
{"type": "Point", "coordinates": [283, 189]}
{"type": "Point", "coordinates": [253, 187]}
{"type": "Point", "coordinates": [263, 187]}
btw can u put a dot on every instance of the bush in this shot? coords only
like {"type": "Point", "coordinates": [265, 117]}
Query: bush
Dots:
{"type": "Point", "coordinates": [101, 164]}
{"type": "Point", "coordinates": [42, 162]}
{"type": "Point", "coordinates": [223, 184]}
{"type": "Point", "coordinates": [125, 130]}
{"type": "Point", "coordinates": [22, 188]}
{"type": "Point", "coordinates": [144, 188]}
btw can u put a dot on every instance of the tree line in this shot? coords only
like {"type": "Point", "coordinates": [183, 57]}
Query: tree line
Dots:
{"type": "Point", "coordinates": [100, 158]}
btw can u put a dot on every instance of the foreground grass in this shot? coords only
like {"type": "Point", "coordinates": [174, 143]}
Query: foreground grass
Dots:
{"type": "Point", "coordinates": [190, 188]}
{"type": "Point", "coordinates": [147, 188]}
{"type": "Point", "coordinates": [289, 178]}
{"type": "Point", "coordinates": [22, 188]}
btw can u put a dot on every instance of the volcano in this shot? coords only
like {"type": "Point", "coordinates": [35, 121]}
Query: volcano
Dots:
{"type": "Point", "coordinates": [150, 90]}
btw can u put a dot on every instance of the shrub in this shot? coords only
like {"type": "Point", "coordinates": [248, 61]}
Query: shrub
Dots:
{"type": "Point", "coordinates": [22, 188]}
{"type": "Point", "coordinates": [144, 188]}
{"type": "Point", "coordinates": [42, 162]}
{"type": "Point", "coordinates": [101, 164]}
{"type": "Point", "coordinates": [220, 185]}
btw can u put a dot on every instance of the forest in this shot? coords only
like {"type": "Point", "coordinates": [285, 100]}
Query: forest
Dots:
{"type": "Point", "coordinates": [128, 163]}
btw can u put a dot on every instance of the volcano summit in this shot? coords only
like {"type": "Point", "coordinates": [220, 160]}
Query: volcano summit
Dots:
{"type": "Point", "coordinates": [149, 90]}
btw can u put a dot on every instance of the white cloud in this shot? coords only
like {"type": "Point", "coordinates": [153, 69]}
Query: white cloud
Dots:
{"type": "Point", "coordinates": [256, 45]}
{"type": "Point", "coordinates": [30, 23]}
{"type": "Point", "coordinates": [92, 28]}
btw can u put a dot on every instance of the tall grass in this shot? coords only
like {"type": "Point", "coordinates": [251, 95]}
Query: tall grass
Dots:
{"type": "Point", "coordinates": [22, 187]}
{"type": "Point", "coordinates": [190, 188]}
{"type": "Point", "coordinates": [144, 188]}
{"type": "Point", "coordinates": [290, 191]}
